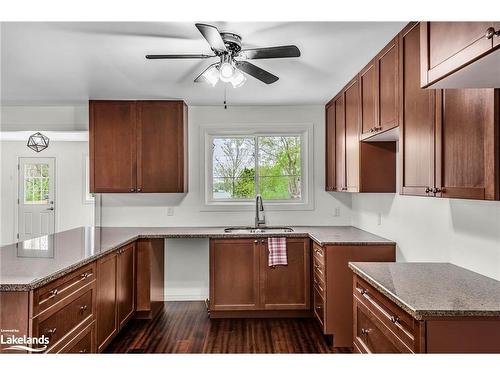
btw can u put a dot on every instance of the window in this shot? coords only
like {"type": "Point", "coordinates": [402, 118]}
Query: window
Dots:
{"type": "Point", "coordinates": [274, 165]}
{"type": "Point", "coordinates": [36, 183]}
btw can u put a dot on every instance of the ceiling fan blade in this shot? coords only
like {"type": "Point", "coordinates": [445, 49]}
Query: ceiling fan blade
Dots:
{"type": "Point", "coordinates": [200, 77]}
{"type": "Point", "coordinates": [212, 35]}
{"type": "Point", "coordinates": [270, 52]}
{"type": "Point", "coordinates": [256, 72]}
{"type": "Point", "coordinates": [185, 56]}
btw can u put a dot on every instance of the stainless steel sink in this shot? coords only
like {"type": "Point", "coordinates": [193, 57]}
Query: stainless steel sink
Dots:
{"type": "Point", "coordinates": [258, 230]}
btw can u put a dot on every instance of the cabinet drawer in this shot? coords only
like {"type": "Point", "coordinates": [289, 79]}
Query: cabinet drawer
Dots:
{"type": "Point", "coordinates": [394, 318]}
{"type": "Point", "coordinates": [83, 343]}
{"type": "Point", "coordinates": [319, 307]}
{"type": "Point", "coordinates": [60, 321]}
{"type": "Point", "coordinates": [369, 337]}
{"type": "Point", "coordinates": [319, 284]}
{"type": "Point", "coordinates": [50, 294]}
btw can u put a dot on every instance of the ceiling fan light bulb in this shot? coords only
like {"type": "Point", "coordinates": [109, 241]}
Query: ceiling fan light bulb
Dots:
{"type": "Point", "coordinates": [226, 72]}
{"type": "Point", "coordinates": [211, 75]}
{"type": "Point", "coordinates": [238, 78]}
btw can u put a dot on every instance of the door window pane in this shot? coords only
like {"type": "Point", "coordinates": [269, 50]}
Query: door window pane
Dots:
{"type": "Point", "coordinates": [36, 183]}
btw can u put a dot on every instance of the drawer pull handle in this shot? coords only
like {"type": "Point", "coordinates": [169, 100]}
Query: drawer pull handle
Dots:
{"type": "Point", "coordinates": [394, 319]}
{"type": "Point", "coordinates": [84, 275]}
{"type": "Point", "coordinates": [365, 331]}
{"type": "Point", "coordinates": [53, 293]}
{"type": "Point", "coordinates": [490, 33]}
{"type": "Point", "coordinates": [318, 307]}
{"type": "Point", "coordinates": [83, 351]}
{"type": "Point", "coordinates": [51, 332]}
{"type": "Point", "coordinates": [362, 291]}
{"type": "Point", "coordinates": [83, 309]}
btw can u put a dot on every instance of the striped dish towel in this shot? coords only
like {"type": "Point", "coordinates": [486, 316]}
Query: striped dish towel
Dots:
{"type": "Point", "coordinates": [277, 251]}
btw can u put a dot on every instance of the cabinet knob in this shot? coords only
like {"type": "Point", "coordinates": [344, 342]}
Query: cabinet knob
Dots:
{"type": "Point", "coordinates": [132, 190]}
{"type": "Point", "coordinates": [490, 32]}
{"type": "Point", "coordinates": [83, 309]}
{"type": "Point", "coordinates": [436, 190]}
{"type": "Point", "coordinates": [428, 189]}
{"type": "Point", "coordinates": [139, 189]}
{"type": "Point", "coordinates": [53, 293]}
{"type": "Point", "coordinates": [51, 332]}
{"type": "Point", "coordinates": [83, 351]}
{"type": "Point", "coordinates": [255, 241]}
{"type": "Point", "coordinates": [365, 331]}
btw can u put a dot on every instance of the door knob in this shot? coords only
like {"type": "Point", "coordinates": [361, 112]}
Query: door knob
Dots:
{"type": "Point", "coordinates": [50, 209]}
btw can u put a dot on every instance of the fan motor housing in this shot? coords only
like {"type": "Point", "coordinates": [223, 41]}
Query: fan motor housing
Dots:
{"type": "Point", "coordinates": [232, 42]}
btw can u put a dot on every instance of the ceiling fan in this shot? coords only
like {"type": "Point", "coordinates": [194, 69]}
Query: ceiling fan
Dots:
{"type": "Point", "coordinates": [233, 59]}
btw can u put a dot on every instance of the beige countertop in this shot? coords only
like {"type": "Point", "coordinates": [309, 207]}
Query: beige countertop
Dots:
{"type": "Point", "coordinates": [430, 290]}
{"type": "Point", "coordinates": [30, 264]}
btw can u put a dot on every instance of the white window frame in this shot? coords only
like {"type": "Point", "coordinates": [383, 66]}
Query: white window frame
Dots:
{"type": "Point", "coordinates": [88, 197]}
{"type": "Point", "coordinates": [209, 132]}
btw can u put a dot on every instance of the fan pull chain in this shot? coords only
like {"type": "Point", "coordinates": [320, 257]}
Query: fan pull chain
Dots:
{"type": "Point", "coordinates": [225, 96]}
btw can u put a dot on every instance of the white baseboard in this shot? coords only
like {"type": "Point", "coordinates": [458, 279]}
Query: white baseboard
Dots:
{"type": "Point", "coordinates": [185, 295]}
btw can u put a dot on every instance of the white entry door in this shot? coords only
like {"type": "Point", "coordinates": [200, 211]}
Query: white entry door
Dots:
{"type": "Point", "coordinates": [36, 211]}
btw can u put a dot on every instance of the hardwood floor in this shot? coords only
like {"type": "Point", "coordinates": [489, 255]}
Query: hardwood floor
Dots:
{"type": "Point", "coordinates": [184, 327]}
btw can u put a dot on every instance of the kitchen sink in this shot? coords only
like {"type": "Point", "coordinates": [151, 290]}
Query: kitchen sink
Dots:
{"type": "Point", "coordinates": [258, 230]}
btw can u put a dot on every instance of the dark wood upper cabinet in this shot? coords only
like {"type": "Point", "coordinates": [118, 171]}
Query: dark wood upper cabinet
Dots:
{"type": "Point", "coordinates": [467, 140]}
{"type": "Point", "coordinates": [340, 165]}
{"type": "Point", "coordinates": [161, 147]}
{"type": "Point", "coordinates": [387, 86]}
{"type": "Point", "coordinates": [138, 146]}
{"type": "Point", "coordinates": [112, 136]}
{"type": "Point", "coordinates": [125, 284]}
{"type": "Point", "coordinates": [368, 88]}
{"type": "Point", "coordinates": [287, 287]}
{"type": "Point", "coordinates": [417, 118]}
{"type": "Point", "coordinates": [448, 47]}
{"type": "Point", "coordinates": [352, 117]}
{"type": "Point", "coordinates": [330, 147]}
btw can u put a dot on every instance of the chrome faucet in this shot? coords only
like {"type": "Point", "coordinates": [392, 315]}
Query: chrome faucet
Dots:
{"type": "Point", "coordinates": [259, 207]}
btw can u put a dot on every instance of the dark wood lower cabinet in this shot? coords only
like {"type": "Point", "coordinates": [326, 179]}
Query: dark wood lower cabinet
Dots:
{"type": "Point", "coordinates": [332, 284]}
{"type": "Point", "coordinates": [125, 284]}
{"type": "Point", "coordinates": [242, 283]}
{"type": "Point", "coordinates": [107, 325]}
{"type": "Point", "coordinates": [380, 326]}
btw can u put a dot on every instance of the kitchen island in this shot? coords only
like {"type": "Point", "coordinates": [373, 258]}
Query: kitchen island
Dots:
{"type": "Point", "coordinates": [424, 308]}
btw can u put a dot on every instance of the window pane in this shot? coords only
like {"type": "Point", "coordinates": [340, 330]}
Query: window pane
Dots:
{"type": "Point", "coordinates": [36, 183]}
{"type": "Point", "coordinates": [233, 163]}
{"type": "Point", "coordinates": [280, 168]}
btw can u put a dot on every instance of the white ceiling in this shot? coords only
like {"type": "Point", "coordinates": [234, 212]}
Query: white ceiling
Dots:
{"type": "Point", "coordinates": [68, 63]}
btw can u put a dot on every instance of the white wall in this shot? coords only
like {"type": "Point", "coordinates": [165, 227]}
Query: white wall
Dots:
{"type": "Point", "coordinates": [70, 209]}
{"type": "Point", "coordinates": [187, 260]}
{"type": "Point", "coordinates": [463, 232]}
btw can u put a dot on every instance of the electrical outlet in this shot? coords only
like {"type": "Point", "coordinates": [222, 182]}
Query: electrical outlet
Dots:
{"type": "Point", "coordinates": [170, 211]}
{"type": "Point", "coordinates": [336, 211]}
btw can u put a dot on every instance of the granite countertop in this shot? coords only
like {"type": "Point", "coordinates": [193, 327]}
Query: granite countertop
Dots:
{"type": "Point", "coordinates": [428, 290]}
{"type": "Point", "coordinates": [30, 264]}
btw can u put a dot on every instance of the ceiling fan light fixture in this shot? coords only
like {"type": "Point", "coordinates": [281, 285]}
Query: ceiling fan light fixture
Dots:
{"type": "Point", "coordinates": [238, 78]}
{"type": "Point", "coordinates": [211, 75]}
{"type": "Point", "coordinates": [226, 72]}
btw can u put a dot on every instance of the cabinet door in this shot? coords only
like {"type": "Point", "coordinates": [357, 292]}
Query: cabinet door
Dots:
{"type": "Point", "coordinates": [287, 287]}
{"type": "Point", "coordinates": [112, 141]}
{"type": "Point", "coordinates": [107, 324]}
{"type": "Point", "coordinates": [125, 284]}
{"type": "Point", "coordinates": [417, 110]}
{"type": "Point", "coordinates": [467, 144]}
{"type": "Point", "coordinates": [352, 110]}
{"type": "Point", "coordinates": [330, 147]}
{"type": "Point", "coordinates": [449, 46]}
{"type": "Point", "coordinates": [387, 87]}
{"type": "Point", "coordinates": [368, 88]}
{"type": "Point", "coordinates": [161, 147]}
{"type": "Point", "coordinates": [234, 274]}
{"type": "Point", "coordinates": [340, 182]}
